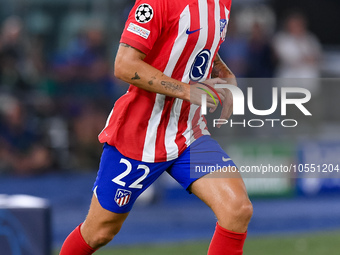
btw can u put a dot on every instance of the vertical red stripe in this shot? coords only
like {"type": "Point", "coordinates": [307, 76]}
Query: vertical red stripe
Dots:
{"type": "Point", "coordinates": [196, 130]}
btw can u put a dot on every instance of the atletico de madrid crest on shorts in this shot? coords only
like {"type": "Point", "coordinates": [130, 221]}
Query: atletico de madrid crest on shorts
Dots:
{"type": "Point", "coordinates": [122, 197]}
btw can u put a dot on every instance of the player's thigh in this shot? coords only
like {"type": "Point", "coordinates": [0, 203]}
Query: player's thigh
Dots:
{"type": "Point", "coordinates": [101, 223]}
{"type": "Point", "coordinates": [227, 197]}
{"type": "Point", "coordinates": [206, 170]}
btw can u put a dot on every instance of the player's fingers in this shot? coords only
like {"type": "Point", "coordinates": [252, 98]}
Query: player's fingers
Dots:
{"type": "Point", "coordinates": [225, 114]}
{"type": "Point", "coordinates": [227, 110]}
{"type": "Point", "coordinates": [212, 82]}
{"type": "Point", "coordinates": [230, 80]}
{"type": "Point", "coordinates": [211, 104]}
{"type": "Point", "coordinates": [212, 109]}
{"type": "Point", "coordinates": [222, 96]}
{"type": "Point", "coordinates": [220, 81]}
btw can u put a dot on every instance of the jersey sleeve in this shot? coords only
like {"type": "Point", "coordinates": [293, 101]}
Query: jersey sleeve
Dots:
{"type": "Point", "coordinates": [144, 24]}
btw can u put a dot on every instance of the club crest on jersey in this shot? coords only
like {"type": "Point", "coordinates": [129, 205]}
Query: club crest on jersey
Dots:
{"type": "Point", "coordinates": [144, 13]}
{"type": "Point", "coordinates": [223, 28]}
{"type": "Point", "coordinates": [122, 197]}
{"type": "Point", "coordinates": [200, 65]}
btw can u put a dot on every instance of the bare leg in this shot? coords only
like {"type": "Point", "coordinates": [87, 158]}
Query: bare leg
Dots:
{"type": "Point", "coordinates": [101, 225]}
{"type": "Point", "coordinates": [228, 199]}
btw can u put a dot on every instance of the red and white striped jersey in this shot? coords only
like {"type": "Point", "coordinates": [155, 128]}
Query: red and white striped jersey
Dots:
{"type": "Point", "coordinates": [180, 38]}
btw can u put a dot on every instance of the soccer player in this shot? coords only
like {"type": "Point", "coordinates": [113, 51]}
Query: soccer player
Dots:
{"type": "Point", "coordinates": [168, 48]}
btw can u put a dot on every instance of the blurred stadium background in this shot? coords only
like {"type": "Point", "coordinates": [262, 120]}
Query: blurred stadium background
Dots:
{"type": "Point", "coordinates": [57, 88]}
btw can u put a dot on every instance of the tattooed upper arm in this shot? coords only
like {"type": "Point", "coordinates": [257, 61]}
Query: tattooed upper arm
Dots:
{"type": "Point", "coordinates": [129, 46]}
{"type": "Point", "coordinates": [125, 45]}
{"type": "Point", "coordinates": [220, 69]}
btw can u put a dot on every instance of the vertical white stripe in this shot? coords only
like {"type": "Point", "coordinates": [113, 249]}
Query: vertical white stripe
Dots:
{"type": "Point", "coordinates": [204, 104]}
{"type": "Point", "coordinates": [180, 42]}
{"type": "Point", "coordinates": [151, 132]}
{"type": "Point", "coordinates": [188, 134]}
{"type": "Point", "coordinates": [202, 39]}
{"type": "Point", "coordinates": [172, 128]}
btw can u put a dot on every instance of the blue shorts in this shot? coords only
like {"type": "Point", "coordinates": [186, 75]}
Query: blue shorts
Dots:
{"type": "Point", "coordinates": [121, 180]}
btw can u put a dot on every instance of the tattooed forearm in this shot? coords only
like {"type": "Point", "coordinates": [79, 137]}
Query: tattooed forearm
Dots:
{"type": "Point", "coordinates": [151, 81]}
{"type": "Point", "coordinates": [168, 85]}
{"type": "Point", "coordinates": [136, 77]}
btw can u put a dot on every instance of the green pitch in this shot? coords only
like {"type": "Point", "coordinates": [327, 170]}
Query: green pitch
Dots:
{"type": "Point", "coordinates": [327, 243]}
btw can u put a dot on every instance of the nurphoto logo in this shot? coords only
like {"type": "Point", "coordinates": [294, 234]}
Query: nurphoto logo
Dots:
{"type": "Point", "coordinates": [239, 106]}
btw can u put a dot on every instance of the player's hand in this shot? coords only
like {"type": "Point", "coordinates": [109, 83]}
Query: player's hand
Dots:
{"type": "Point", "coordinates": [214, 97]}
{"type": "Point", "coordinates": [227, 107]}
